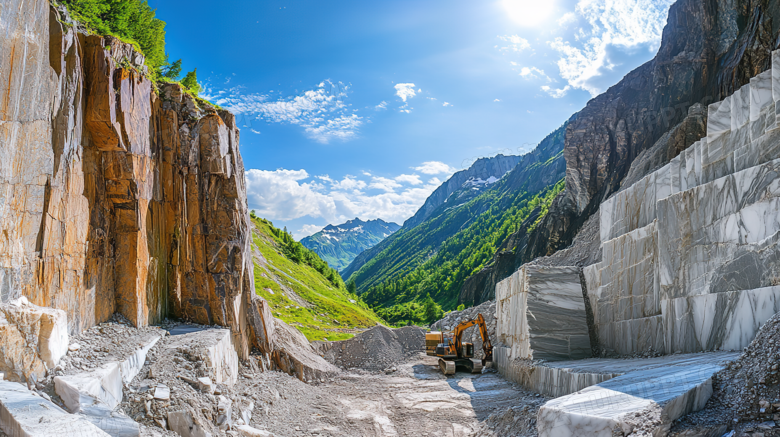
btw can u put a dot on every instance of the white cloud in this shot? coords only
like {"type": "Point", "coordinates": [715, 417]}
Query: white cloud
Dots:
{"type": "Point", "coordinates": [556, 93]}
{"type": "Point", "coordinates": [496, 100]}
{"type": "Point", "coordinates": [384, 184]}
{"type": "Point", "coordinates": [434, 167]}
{"type": "Point", "coordinates": [621, 34]}
{"type": "Point", "coordinates": [292, 194]}
{"type": "Point", "coordinates": [322, 112]}
{"type": "Point", "coordinates": [405, 91]}
{"type": "Point", "coordinates": [412, 179]}
{"type": "Point", "coordinates": [567, 18]}
{"type": "Point", "coordinates": [533, 73]}
{"type": "Point", "coordinates": [307, 230]}
{"type": "Point", "coordinates": [445, 104]}
{"type": "Point", "coordinates": [516, 44]}
{"type": "Point", "coordinates": [382, 106]}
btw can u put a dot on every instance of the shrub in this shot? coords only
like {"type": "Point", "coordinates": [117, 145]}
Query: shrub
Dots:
{"type": "Point", "coordinates": [461, 307]}
{"type": "Point", "coordinates": [133, 21]}
{"type": "Point", "coordinates": [190, 82]}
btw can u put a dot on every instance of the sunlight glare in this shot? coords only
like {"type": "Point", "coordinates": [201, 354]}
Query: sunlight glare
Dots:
{"type": "Point", "coordinates": [529, 13]}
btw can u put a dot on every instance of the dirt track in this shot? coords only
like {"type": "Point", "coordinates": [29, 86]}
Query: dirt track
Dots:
{"type": "Point", "coordinates": [416, 400]}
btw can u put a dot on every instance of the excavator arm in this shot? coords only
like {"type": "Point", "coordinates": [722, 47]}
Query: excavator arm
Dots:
{"type": "Point", "coordinates": [457, 333]}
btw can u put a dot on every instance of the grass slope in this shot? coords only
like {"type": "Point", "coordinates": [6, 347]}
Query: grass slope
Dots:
{"type": "Point", "coordinates": [318, 305]}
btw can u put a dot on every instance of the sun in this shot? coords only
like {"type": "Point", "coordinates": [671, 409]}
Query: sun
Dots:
{"type": "Point", "coordinates": [529, 13]}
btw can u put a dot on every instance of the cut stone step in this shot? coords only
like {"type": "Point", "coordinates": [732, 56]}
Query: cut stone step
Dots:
{"type": "Point", "coordinates": [105, 383]}
{"type": "Point", "coordinates": [214, 348]}
{"type": "Point", "coordinates": [659, 394]}
{"type": "Point", "coordinates": [24, 414]}
{"type": "Point", "coordinates": [561, 378]}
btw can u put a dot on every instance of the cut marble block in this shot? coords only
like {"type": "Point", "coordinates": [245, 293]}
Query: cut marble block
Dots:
{"type": "Point", "coordinates": [709, 236]}
{"type": "Point", "coordinates": [776, 75]}
{"type": "Point", "coordinates": [740, 107]}
{"type": "Point", "coordinates": [81, 390]}
{"type": "Point", "coordinates": [214, 348]}
{"type": "Point", "coordinates": [725, 321]}
{"type": "Point", "coordinates": [21, 320]}
{"type": "Point", "coordinates": [627, 277]}
{"type": "Point", "coordinates": [541, 314]}
{"type": "Point", "coordinates": [760, 94]}
{"type": "Point", "coordinates": [676, 387]}
{"type": "Point", "coordinates": [626, 337]}
{"type": "Point", "coordinates": [634, 207]}
{"type": "Point", "coordinates": [718, 119]}
{"type": "Point", "coordinates": [25, 414]}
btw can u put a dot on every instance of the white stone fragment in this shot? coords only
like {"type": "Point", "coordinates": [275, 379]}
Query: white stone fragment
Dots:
{"type": "Point", "coordinates": [248, 431]}
{"type": "Point", "coordinates": [224, 410]}
{"type": "Point", "coordinates": [162, 393]}
{"type": "Point", "coordinates": [22, 414]}
{"type": "Point", "coordinates": [74, 347]}
{"type": "Point", "coordinates": [205, 385]}
{"type": "Point", "coordinates": [182, 423]}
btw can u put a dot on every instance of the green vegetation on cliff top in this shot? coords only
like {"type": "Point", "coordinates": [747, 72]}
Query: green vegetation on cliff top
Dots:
{"type": "Point", "coordinates": [134, 22]}
{"type": "Point", "coordinates": [303, 290]}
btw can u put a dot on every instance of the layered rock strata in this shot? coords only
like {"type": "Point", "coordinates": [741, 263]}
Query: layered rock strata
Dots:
{"type": "Point", "coordinates": [690, 253]}
{"type": "Point", "coordinates": [540, 314]}
{"type": "Point", "coordinates": [115, 196]}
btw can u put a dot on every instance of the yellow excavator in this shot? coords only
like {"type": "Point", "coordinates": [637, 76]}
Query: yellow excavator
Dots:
{"type": "Point", "coordinates": [453, 353]}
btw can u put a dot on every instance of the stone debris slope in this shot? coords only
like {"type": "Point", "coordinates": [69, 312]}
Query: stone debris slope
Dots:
{"type": "Point", "coordinates": [377, 349]}
{"type": "Point", "coordinates": [471, 335]}
{"type": "Point", "coordinates": [746, 394]}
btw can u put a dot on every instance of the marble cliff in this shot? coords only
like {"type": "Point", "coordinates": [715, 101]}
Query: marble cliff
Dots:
{"type": "Point", "coordinates": [116, 196]}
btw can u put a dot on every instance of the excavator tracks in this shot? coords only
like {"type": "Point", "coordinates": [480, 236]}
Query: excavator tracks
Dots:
{"type": "Point", "coordinates": [447, 367]}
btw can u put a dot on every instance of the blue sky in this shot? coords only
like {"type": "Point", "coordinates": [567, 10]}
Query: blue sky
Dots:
{"type": "Point", "coordinates": [362, 108]}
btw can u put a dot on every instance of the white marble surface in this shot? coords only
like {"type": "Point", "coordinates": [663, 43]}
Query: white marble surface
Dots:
{"type": "Point", "coordinates": [677, 388]}
{"type": "Point", "coordinates": [760, 94]}
{"type": "Point", "coordinates": [24, 414]}
{"type": "Point", "coordinates": [215, 348]}
{"type": "Point", "coordinates": [718, 119]}
{"type": "Point", "coordinates": [541, 314]}
{"type": "Point", "coordinates": [740, 107]}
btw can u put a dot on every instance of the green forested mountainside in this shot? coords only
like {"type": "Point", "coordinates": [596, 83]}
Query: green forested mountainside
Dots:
{"type": "Point", "coordinates": [438, 255]}
{"type": "Point", "coordinates": [302, 290]}
{"type": "Point", "coordinates": [339, 245]}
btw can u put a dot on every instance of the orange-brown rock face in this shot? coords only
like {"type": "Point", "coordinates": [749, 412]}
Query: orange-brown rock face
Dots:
{"type": "Point", "coordinates": [114, 198]}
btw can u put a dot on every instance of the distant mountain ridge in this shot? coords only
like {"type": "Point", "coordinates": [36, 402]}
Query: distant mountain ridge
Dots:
{"type": "Point", "coordinates": [484, 169]}
{"type": "Point", "coordinates": [338, 245]}
{"type": "Point", "coordinates": [460, 233]}
{"type": "Point", "coordinates": [458, 189]}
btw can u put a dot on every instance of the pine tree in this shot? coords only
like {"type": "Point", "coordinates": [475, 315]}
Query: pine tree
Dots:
{"type": "Point", "coordinates": [190, 82]}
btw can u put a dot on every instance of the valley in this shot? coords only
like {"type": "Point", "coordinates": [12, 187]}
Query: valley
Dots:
{"type": "Point", "coordinates": [627, 267]}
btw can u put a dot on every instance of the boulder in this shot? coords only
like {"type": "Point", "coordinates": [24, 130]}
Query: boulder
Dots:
{"type": "Point", "coordinates": [33, 339]}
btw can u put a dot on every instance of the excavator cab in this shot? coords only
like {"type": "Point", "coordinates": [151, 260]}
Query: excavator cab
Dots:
{"type": "Point", "coordinates": [453, 353]}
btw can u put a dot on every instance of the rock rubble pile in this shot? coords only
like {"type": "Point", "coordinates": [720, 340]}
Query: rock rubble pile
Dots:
{"type": "Point", "coordinates": [377, 349]}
